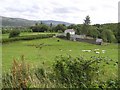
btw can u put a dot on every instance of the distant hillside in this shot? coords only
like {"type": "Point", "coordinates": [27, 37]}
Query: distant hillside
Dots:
{"type": "Point", "coordinates": [7, 21]}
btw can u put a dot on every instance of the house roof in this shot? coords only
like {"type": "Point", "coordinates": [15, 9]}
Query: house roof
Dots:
{"type": "Point", "coordinates": [69, 30]}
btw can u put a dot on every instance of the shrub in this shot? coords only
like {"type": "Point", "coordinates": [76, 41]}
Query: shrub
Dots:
{"type": "Point", "coordinates": [14, 33]}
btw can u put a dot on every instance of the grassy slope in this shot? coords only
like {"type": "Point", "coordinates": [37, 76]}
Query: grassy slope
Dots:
{"type": "Point", "coordinates": [47, 54]}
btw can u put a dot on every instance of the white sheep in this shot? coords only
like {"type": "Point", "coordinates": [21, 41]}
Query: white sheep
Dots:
{"type": "Point", "coordinates": [103, 51]}
{"type": "Point", "coordinates": [97, 49]}
{"type": "Point", "coordinates": [86, 50]}
{"type": "Point", "coordinates": [97, 52]}
{"type": "Point", "coordinates": [70, 50]}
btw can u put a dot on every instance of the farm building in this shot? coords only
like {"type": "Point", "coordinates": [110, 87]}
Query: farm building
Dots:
{"type": "Point", "coordinates": [71, 31]}
{"type": "Point", "coordinates": [99, 41]}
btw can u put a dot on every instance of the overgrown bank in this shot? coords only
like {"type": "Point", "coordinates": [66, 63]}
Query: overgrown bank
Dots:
{"type": "Point", "coordinates": [66, 72]}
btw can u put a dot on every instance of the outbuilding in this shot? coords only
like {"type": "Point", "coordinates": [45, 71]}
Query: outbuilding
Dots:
{"type": "Point", "coordinates": [99, 41]}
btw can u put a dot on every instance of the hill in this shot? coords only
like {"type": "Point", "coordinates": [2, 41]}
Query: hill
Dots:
{"type": "Point", "coordinates": [16, 22]}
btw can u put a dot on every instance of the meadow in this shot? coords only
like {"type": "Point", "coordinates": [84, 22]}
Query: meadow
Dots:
{"type": "Point", "coordinates": [45, 50]}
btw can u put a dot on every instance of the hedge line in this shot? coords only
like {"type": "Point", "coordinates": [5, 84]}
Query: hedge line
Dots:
{"type": "Point", "coordinates": [27, 37]}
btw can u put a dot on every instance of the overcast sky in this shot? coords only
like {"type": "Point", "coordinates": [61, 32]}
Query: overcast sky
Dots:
{"type": "Point", "coordinates": [73, 11]}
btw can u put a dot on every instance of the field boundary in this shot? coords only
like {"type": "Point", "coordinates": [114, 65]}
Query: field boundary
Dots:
{"type": "Point", "coordinates": [27, 37]}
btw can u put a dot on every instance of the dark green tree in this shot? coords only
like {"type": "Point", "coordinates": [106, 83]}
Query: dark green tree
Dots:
{"type": "Point", "coordinates": [40, 28]}
{"type": "Point", "coordinates": [60, 27]}
{"type": "Point", "coordinates": [93, 32]}
{"type": "Point", "coordinates": [87, 20]}
{"type": "Point", "coordinates": [86, 25]}
{"type": "Point", "coordinates": [108, 36]}
{"type": "Point", "coordinates": [14, 33]}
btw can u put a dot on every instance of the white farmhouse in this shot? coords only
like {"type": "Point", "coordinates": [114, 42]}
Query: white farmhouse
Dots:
{"type": "Point", "coordinates": [71, 31]}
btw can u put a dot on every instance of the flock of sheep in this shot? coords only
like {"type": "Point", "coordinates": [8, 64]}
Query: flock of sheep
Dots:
{"type": "Point", "coordinates": [97, 51]}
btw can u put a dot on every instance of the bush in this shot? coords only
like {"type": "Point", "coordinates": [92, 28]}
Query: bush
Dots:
{"type": "Point", "coordinates": [14, 33]}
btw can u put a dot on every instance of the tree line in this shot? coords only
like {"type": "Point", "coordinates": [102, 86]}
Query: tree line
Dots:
{"type": "Point", "coordinates": [108, 32]}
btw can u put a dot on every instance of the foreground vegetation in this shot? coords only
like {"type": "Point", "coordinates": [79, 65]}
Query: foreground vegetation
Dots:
{"type": "Point", "coordinates": [66, 72]}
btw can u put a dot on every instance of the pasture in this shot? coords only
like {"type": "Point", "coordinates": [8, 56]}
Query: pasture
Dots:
{"type": "Point", "coordinates": [45, 50]}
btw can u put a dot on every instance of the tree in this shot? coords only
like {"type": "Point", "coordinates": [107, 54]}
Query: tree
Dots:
{"type": "Point", "coordinates": [60, 27]}
{"type": "Point", "coordinates": [40, 28]}
{"type": "Point", "coordinates": [86, 26]}
{"type": "Point", "coordinates": [108, 36]}
{"type": "Point", "coordinates": [51, 25]}
{"type": "Point", "coordinates": [93, 32]}
{"type": "Point", "coordinates": [14, 33]}
{"type": "Point", "coordinates": [87, 20]}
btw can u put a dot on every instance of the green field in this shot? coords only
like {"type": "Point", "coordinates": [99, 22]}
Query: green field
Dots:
{"type": "Point", "coordinates": [52, 48]}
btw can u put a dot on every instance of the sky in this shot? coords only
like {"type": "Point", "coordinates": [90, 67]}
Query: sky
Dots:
{"type": "Point", "coordinates": [72, 11]}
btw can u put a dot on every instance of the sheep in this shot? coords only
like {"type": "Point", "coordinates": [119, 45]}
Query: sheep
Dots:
{"type": "Point", "coordinates": [86, 50]}
{"type": "Point", "coordinates": [70, 50]}
{"type": "Point", "coordinates": [103, 51]}
{"type": "Point", "coordinates": [97, 52]}
{"type": "Point", "coordinates": [97, 49]}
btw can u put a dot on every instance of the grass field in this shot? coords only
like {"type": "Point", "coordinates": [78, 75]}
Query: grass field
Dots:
{"type": "Point", "coordinates": [52, 48]}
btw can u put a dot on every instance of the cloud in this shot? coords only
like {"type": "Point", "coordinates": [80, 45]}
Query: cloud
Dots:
{"type": "Point", "coordinates": [100, 11]}
{"type": "Point", "coordinates": [65, 10]}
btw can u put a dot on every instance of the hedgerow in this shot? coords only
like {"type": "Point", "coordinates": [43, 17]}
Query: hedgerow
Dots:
{"type": "Point", "coordinates": [27, 37]}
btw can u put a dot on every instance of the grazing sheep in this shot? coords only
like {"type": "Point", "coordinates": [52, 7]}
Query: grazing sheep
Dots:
{"type": "Point", "coordinates": [103, 51]}
{"type": "Point", "coordinates": [83, 50]}
{"type": "Point", "coordinates": [97, 52]}
{"type": "Point", "coordinates": [70, 50]}
{"type": "Point", "coordinates": [97, 49]}
{"type": "Point", "coordinates": [86, 50]}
